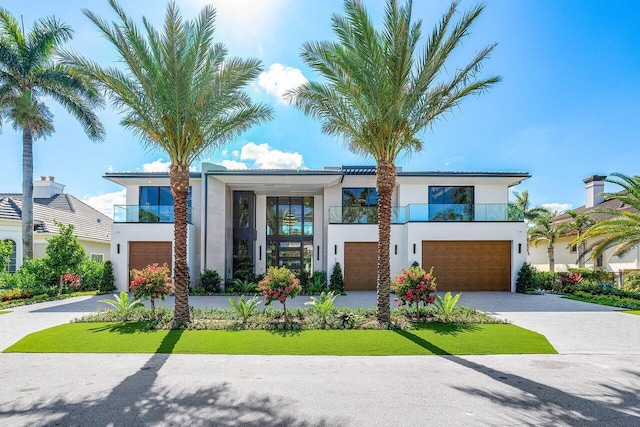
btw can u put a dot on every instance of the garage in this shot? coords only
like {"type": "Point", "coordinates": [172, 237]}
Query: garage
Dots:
{"type": "Point", "coordinates": [469, 265]}
{"type": "Point", "coordinates": [142, 254]}
{"type": "Point", "coordinates": [360, 266]}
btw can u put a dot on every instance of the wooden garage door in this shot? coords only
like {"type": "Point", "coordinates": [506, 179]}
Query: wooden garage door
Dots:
{"type": "Point", "coordinates": [142, 254]}
{"type": "Point", "coordinates": [360, 266]}
{"type": "Point", "coordinates": [469, 265]}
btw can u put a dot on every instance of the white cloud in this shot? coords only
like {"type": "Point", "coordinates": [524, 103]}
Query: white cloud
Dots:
{"type": "Point", "coordinates": [104, 202]}
{"type": "Point", "coordinates": [232, 164]}
{"type": "Point", "coordinates": [279, 79]}
{"type": "Point", "coordinates": [560, 207]}
{"type": "Point", "coordinates": [267, 158]}
{"type": "Point", "coordinates": [157, 166]}
{"type": "Point", "coordinates": [235, 153]}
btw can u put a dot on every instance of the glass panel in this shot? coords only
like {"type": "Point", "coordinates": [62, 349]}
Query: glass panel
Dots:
{"type": "Point", "coordinates": [271, 215]}
{"type": "Point", "coordinates": [148, 196]}
{"type": "Point", "coordinates": [308, 256]}
{"type": "Point", "coordinates": [11, 265]}
{"type": "Point", "coordinates": [164, 196]}
{"type": "Point", "coordinates": [241, 210]}
{"type": "Point", "coordinates": [359, 205]}
{"type": "Point", "coordinates": [308, 216]}
{"type": "Point", "coordinates": [271, 254]}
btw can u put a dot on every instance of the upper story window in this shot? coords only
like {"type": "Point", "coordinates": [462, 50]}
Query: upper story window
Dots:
{"type": "Point", "coordinates": [359, 205]}
{"type": "Point", "coordinates": [158, 196]}
{"type": "Point", "coordinates": [451, 203]}
{"type": "Point", "coordinates": [11, 264]}
{"type": "Point", "coordinates": [290, 216]}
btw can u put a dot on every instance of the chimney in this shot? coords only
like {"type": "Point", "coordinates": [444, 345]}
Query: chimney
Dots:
{"type": "Point", "coordinates": [44, 189]}
{"type": "Point", "coordinates": [595, 188]}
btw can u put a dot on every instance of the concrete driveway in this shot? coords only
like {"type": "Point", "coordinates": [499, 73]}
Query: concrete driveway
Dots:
{"type": "Point", "coordinates": [201, 390]}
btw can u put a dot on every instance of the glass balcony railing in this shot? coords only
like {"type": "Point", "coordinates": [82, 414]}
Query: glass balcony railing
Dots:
{"type": "Point", "coordinates": [427, 213]}
{"type": "Point", "coordinates": [145, 214]}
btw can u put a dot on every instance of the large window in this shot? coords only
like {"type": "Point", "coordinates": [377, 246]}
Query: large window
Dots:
{"type": "Point", "coordinates": [451, 203]}
{"type": "Point", "coordinates": [156, 204]}
{"type": "Point", "coordinates": [290, 233]}
{"type": "Point", "coordinates": [11, 261]}
{"type": "Point", "coordinates": [359, 206]}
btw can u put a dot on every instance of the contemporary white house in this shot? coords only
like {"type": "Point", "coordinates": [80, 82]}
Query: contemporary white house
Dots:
{"type": "Point", "coordinates": [458, 222]}
{"type": "Point", "coordinates": [51, 204]}
{"type": "Point", "coordinates": [566, 255]}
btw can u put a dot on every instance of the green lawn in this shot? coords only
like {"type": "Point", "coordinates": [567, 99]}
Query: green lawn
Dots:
{"type": "Point", "coordinates": [4, 311]}
{"type": "Point", "coordinates": [429, 340]}
{"type": "Point", "coordinates": [636, 312]}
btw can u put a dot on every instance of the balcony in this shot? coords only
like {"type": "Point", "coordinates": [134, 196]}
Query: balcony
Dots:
{"type": "Point", "coordinates": [417, 212]}
{"type": "Point", "coordinates": [145, 214]}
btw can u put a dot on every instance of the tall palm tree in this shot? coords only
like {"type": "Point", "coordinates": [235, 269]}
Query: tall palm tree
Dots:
{"type": "Point", "coordinates": [580, 222]}
{"type": "Point", "coordinates": [381, 90]}
{"type": "Point", "coordinates": [181, 94]}
{"type": "Point", "coordinates": [28, 72]}
{"type": "Point", "coordinates": [523, 205]}
{"type": "Point", "coordinates": [621, 230]}
{"type": "Point", "coordinates": [545, 230]}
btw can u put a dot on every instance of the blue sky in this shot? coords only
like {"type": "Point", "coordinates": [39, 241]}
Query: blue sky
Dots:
{"type": "Point", "coordinates": [567, 108]}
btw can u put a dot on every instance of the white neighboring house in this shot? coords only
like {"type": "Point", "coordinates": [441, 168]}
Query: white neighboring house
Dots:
{"type": "Point", "coordinates": [50, 204]}
{"type": "Point", "coordinates": [458, 222]}
{"type": "Point", "coordinates": [566, 255]}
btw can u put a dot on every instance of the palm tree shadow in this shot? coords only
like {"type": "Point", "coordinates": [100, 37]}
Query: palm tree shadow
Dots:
{"type": "Point", "coordinates": [140, 399]}
{"type": "Point", "coordinates": [422, 342]}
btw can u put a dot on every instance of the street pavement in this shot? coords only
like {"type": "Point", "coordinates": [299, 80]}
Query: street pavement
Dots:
{"type": "Point", "coordinates": [595, 381]}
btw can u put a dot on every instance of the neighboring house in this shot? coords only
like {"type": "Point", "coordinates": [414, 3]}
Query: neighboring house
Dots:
{"type": "Point", "coordinates": [458, 222]}
{"type": "Point", "coordinates": [566, 255]}
{"type": "Point", "coordinates": [50, 204]}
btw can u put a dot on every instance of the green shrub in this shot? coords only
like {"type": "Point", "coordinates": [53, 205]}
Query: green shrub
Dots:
{"type": "Point", "coordinates": [90, 275]}
{"type": "Point", "coordinates": [244, 286]}
{"type": "Point", "coordinates": [304, 279]}
{"type": "Point", "coordinates": [632, 282]}
{"type": "Point", "coordinates": [38, 271]}
{"type": "Point", "coordinates": [64, 254]}
{"type": "Point", "coordinates": [6, 249]}
{"type": "Point", "coordinates": [594, 277]}
{"type": "Point", "coordinates": [122, 305]}
{"type": "Point", "coordinates": [526, 282]}
{"type": "Point", "coordinates": [210, 281]}
{"type": "Point", "coordinates": [608, 299]}
{"type": "Point", "coordinates": [323, 305]}
{"type": "Point", "coordinates": [336, 282]}
{"type": "Point", "coordinates": [245, 308]}
{"type": "Point", "coordinates": [107, 280]}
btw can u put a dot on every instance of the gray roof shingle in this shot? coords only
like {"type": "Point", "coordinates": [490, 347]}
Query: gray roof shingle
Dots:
{"type": "Point", "coordinates": [88, 223]}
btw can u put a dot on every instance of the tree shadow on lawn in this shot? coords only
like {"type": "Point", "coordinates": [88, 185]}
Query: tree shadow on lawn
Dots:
{"type": "Point", "coordinates": [548, 405]}
{"type": "Point", "coordinates": [137, 400]}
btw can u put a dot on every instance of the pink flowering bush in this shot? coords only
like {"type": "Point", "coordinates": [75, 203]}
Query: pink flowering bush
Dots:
{"type": "Point", "coordinates": [414, 285]}
{"type": "Point", "coordinates": [69, 281]}
{"type": "Point", "coordinates": [279, 284]}
{"type": "Point", "coordinates": [151, 282]}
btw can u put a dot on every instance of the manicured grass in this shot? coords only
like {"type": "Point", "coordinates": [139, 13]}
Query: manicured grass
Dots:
{"type": "Point", "coordinates": [440, 339]}
{"type": "Point", "coordinates": [636, 312]}
{"type": "Point", "coordinates": [4, 311]}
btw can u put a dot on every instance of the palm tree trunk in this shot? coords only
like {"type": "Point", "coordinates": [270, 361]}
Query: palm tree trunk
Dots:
{"type": "Point", "coordinates": [552, 260]}
{"type": "Point", "coordinates": [385, 184]}
{"type": "Point", "coordinates": [179, 181]}
{"type": "Point", "coordinates": [27, 193]}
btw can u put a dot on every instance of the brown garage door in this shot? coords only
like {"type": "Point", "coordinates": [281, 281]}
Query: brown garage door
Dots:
{"type": "Point", "coordinates": [469, 265]}
{"type": "Point", "coordinates": [360, 266]}
{"type": "Point", "coordinates": [142, 254]}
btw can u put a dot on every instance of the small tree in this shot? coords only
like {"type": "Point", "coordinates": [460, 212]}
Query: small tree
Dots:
{"type": "Point", "coordinates": [210, 280]}
{"type": "Point", "coordinates": [336, 282]}
{"type": "Point", "coordinates": [152, 282]}
{"type": "Point", "coordinates": [64, 254]}
{"type": "Point", "coordinates": [107, 281]}
{"type": "Point", "coordinates": [6, 249]}
{"type": "Point", "coordinates": [414, 285]}
{"type": "Point", "coordinates": [279, 284]}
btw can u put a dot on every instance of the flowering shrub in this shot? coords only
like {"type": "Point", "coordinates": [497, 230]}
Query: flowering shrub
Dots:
{"type": "Point", "coordinates": [69, 281]}
{"type": "Point", "coordinates": [151, 282]}
{"type": "Point", "coordinates": [414, 285]}
{"type": "Point", "coordinates": [279, 284]}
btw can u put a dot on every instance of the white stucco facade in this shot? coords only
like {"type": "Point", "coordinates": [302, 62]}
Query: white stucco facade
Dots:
{"type": "Point", "coordinates": [212, 233]}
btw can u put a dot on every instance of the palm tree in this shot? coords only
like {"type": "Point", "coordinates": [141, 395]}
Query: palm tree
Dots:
{"type": "Point", "coordinates": [545, 230]}
{"type": "Point", "coordinates": [579, 223]}
{"type": "Point", "coordinates": [181, 94]}
{"type": "Point", "coordinates": [523, 205]}
{"type": "Point", "coordinates": [28, 73]}
{"type": "Point", "coordinates": [381, 91]}
{"type": "Point", "coordinates": [622, 228]}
